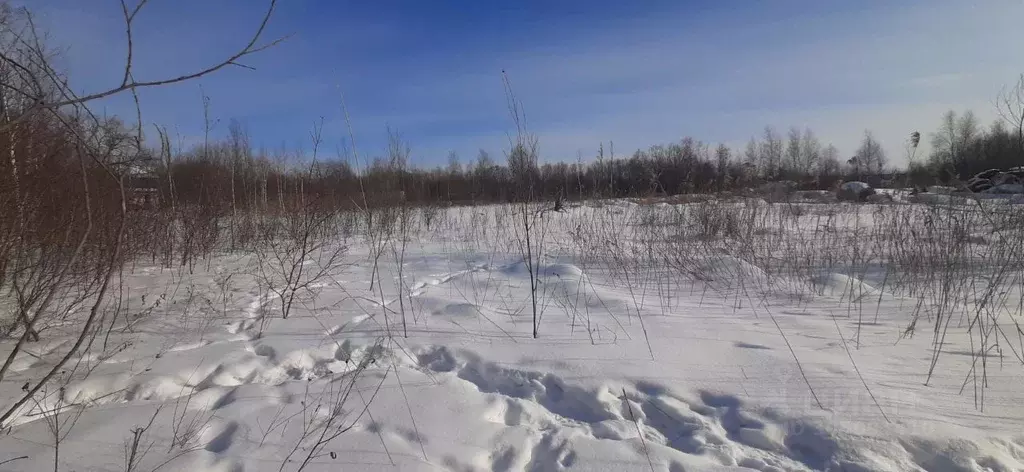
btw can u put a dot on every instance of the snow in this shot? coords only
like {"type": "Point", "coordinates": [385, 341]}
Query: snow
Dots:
{"type": "Point", "coordinates": [941, 190]}
{"type": "Point", "coordinates": [814, 196]}
{"type": "Point", "coordinates": [633, 369]}
{"type": "Point", "coordinates": [842, 285]}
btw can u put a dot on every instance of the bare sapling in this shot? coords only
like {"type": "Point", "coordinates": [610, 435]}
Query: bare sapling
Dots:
{"type": "Point", "coordinates": [299, 249]}
{"type": "Point", "coordinates": [59, 414]}
{"type": "Point", "coordinates": [522, 163]}
{"type": "Point", "coordinates": [138, 445]}
{"type": "Point", "coordinates": [398, 156]}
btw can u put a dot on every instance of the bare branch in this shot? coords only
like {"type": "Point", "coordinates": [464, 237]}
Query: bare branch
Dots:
{"type": "Point", "coordinates": [128, 18]}
{"type": "Point", "coordinates": [1010, 105]}
{"type": "Point", "coordinates": [128, 82]}
{"type": "Point", "coordinates": [243, 66]}
{"type": "Point", "coordinates": [250, 48]}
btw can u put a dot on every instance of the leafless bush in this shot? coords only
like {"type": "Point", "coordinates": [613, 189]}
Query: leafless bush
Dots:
{"type": "Point", "coordinates": [960, 264]}
{"type": "Point", "coordinates": [299, 250]}
{"type": "Point", "coordinates": [326, 415]}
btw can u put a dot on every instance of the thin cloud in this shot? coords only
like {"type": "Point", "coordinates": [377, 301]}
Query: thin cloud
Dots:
{"type": "Point", "coordinates": [636, 77]}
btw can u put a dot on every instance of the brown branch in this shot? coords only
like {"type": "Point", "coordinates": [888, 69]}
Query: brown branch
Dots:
{"type": "Point", "coordinates": [128, 19]}
{"type": "Point", "coordinates": [13, 459]}
{"type": "Point", "coordinates": [243, 66]}
{"type": "Point", "coordinates": [128, 82]}
{"type": "Point", "coordinates": [250, 48]}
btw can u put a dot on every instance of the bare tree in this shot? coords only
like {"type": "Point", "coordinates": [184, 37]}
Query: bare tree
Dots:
{"type": "Point", "coordinates": [1010, 104]}
{"type": "Point", "coordinates": [829, 164]}
{"type": "Point", "coordinates": [522, 161]}
{"type": "Point", "coordinates": [810, 152]}
{"type": "Point", "coordinates": [870, 156]}
{"type": "Point", "coordinates": [454, 170]}
{"type": "Point", "coordinates": [968, 131]}
{"type": "Point", "coordinates": [951, 141]}
{"type": "Point", "coordinates": [794, 152]}
{"type": "Point", "coordinates": [771, 152]}
{"type": "Point", "coordinates": [238, 140]}
{"type": "Point", "coordinates": [944, 140]}
{"type": "Point", "coordinates": [752, 157]}
{"type": "Point", "coordinates": [722, 157]}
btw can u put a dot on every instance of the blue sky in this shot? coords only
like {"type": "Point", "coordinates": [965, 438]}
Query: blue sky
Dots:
{"type": "Point", "coordinates": [636, 73]}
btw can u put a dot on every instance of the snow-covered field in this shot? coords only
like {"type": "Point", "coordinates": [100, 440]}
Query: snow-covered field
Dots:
{"type": "Point", "coordinates": [661, 346]}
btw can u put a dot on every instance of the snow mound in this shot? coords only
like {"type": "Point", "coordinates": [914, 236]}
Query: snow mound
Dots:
{"type": "Point", "coordinates": [730, 270]}
{"type": "Point", "coordinates": [709, 430]}
{"type": "Point", "coordinates": [520, 269]}
{"type": "Point", "coordinates": [561, 270]}
{"type": "Point", "coordinates": [854, 191]}
{"type": "Point", "coordinates": [842, 285]}
{"type": "Point", "coordinates": [458, 310]}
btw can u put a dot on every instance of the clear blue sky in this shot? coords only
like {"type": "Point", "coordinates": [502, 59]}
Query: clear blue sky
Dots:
{"type": "Point", "coordinates": [636, 73]}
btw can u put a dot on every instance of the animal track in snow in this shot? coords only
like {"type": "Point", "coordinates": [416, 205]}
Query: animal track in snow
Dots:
{"type": "Point", "coordinates": [220, 438]}
{"type": "Point", "coordinates": [419, 288]}
{"type": "Point", "coordinates": [213, 386]}
{"type": "Point", "coordinates": [715, 427]}
{"type": "Point", "coordinates": [251, 315]}
{"type": "Point", "coordinates": [188, 346]}
{"type": "Point", "coordinates": [338, 329]}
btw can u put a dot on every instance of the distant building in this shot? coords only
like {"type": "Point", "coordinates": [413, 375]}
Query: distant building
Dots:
{"type": "Point", "coordinates": [142, 191]}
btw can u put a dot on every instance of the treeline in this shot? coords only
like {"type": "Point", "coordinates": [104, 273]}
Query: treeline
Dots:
{"type": "Point", "coordinates": [961, 148]}
{"type": "Point", "coordinates": [229, 175]}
